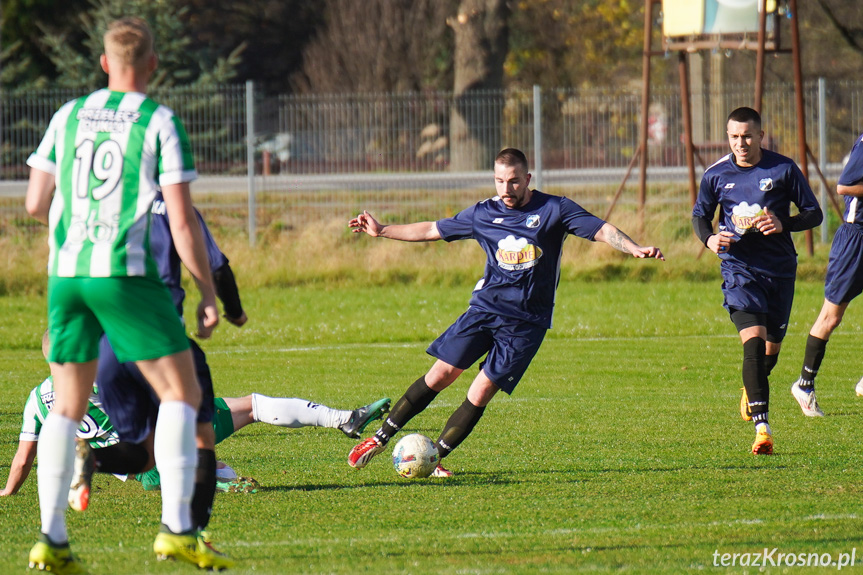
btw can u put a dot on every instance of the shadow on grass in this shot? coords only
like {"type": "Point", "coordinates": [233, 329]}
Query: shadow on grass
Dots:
{"type": "Point", "coordinates": [466, 479]}
{"type": "Point", "coordinates": [480, 479]}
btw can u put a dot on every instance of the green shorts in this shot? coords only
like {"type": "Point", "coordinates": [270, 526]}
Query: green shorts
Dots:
{"type": "Point", "coordinates": [136, 313]}
{"type": "Point", "coordinates": [223, 423]}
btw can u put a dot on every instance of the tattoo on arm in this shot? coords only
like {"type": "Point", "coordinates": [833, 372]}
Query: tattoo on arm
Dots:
{"type": "Point", "coordinates": [617, 239]}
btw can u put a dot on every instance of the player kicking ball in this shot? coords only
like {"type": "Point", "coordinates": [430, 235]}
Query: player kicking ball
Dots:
{"type": "Point", "coordinates": [522, 233]}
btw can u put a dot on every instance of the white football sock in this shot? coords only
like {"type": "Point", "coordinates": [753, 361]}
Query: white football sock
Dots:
{"type": "Point", "coordinates": [292, 412]}
{"type": "Point", "coordinates": [763, 427]}
{"type": "Point", "coordinates": [176, 458]}
{"type": "Point", "coordinates": [56, 454]}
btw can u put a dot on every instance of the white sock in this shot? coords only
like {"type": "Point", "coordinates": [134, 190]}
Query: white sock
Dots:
{"type": "Point", "coordinates": [292, 412]}
{"type": "Point", "coordinates": [176, 458]}
{"type": "Point", "coordinates": [56, 454]}
{"type": "Point", "coordinates": [763, 427]}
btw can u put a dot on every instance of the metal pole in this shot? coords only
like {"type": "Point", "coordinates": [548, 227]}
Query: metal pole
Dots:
{"type": "Point", "coordinates": [687, 124]}
{"type": "Point", "coordinates": [822, 149]}
{"type": "Point", "coordinates": [801, 110]}
{"type": "Point", "coordinates": [250, 157]}
{"type": "Point", "coordinates": [645, 104]}
{"type": "Point", "coordinates": [759, 59]}
{"type": "Point", "coordinates": [537, 137]}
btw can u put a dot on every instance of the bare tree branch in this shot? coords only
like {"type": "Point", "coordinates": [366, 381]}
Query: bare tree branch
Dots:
{"type": "Point", "coordinates": [848, 34]}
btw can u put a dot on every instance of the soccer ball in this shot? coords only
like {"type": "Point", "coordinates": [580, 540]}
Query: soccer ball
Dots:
{"type": "Point", "coordinates": [415, 456]}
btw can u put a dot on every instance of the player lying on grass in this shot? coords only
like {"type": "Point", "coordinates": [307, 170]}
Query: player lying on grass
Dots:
{"type": "Point", "coordinates": [114, 455]}
{"type": "Point", "coordinates": [235, 413]}
{"type": "Point", "coordinates": [522, 233]}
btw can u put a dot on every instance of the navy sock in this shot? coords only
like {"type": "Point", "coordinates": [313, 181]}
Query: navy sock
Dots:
{"type": "Point", "coordinates": [755, 375]}
{"type": "Point", "coordinates": [812, 358]}
{"type": "Point", "coordinates": [458, 427]}
{"type": "Point", "coordinates": [417, 397]}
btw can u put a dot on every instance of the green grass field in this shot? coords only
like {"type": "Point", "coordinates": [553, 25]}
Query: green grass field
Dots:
{"type": "Point", "coordinates": [621, 450]}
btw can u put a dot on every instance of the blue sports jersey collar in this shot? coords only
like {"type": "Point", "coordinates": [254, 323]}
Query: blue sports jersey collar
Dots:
{"type": "Point", "coordinates": [529, 206]}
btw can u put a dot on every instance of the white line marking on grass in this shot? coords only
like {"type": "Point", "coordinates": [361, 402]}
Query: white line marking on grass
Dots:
{"type": "Point", "coordinates": [408, 345]}
{"type": "Point", "coordinates": [682, 527]}
{"type": "Point", "coordinates": [392, 539]}
{"type": "Point", "coordinates": [320, 348]}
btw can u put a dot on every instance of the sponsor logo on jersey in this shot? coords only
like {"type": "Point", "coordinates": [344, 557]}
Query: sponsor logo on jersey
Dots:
{"type": "Point", "coordinates": [106, 120]}
{"type": "Point", "coordinates": [765, 184]}
{"type": "Point", "coordinates": [517, 254]}
{"type": "Point", "coordinates": [729, 186]}
{"type": "Point", "coordinates": [743, 217]}
{"type": "Point", "coordinates": [532, 221]}
{"type": "Point", "coordinates": [48, 400]}
{"type": "Point", "coordinates": [498, 221]}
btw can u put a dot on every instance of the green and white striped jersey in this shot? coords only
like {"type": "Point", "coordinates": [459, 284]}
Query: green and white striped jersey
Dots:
{"type": "Point", "coordinates": [109, 152]}
{"type": "Point", "coordinates": [96, 428]}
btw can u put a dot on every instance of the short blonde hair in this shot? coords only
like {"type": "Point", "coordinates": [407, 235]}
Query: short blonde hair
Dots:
{"type": "Point", "coordinates": [129, 41]}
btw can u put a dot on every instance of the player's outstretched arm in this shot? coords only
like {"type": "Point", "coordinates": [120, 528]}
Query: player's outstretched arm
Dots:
{"type": "Point", "coordinates": [622, 242]}
{"type": "Point", "coordinates": [20, 468]}
{"type": "Point", "coordinates": [189, 242]}
{"type": "Point", "coordinates": [417, 232]}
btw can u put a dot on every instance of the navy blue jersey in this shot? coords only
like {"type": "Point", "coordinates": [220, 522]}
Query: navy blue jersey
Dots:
{"type": "Point", "coordinates": [523, 248]}
{"type": "Point", "coordinates": [165, 254]}
{"type": "Point", "coordinates": [852, 175]}
{"type": "Point", "coordinates": [742, 194]}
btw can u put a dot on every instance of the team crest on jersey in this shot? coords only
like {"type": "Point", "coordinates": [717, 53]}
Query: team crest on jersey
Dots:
{"type": "Point", "coordinates": [765, 184]}
{"type": "Point", "coordinates": [743, 217]}
{"type": "Point", "coordinates": [532, 221]}
{"type": "Point", "coordinates": [517, 254]}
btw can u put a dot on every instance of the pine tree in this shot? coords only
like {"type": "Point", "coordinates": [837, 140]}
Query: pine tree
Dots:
{"type": "Point", "coordinates": [77, 58]}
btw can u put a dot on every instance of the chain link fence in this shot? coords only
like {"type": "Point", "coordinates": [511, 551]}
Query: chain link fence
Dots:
{"type": "Point", "coordinates": [320, 157]}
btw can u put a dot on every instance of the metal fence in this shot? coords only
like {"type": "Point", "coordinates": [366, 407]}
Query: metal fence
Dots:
{"type": "Point", "coordinates": [314, 156]}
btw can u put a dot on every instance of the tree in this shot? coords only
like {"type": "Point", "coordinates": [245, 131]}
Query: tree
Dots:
{"type": "Point", "coordinates": [577, 43]}
{"type": "Point", "coordinates": [75, 51]}
{"type": "Point", "coordinates": [837, 37]}
{"type": "Point", "coordinates": [275, 33]}
{"type": "Point", "coordinates": [378, 46]}
{"type": "Point", "coordinates": [20, 33]}
{"type": "Point", "coordinates": [481, 42]}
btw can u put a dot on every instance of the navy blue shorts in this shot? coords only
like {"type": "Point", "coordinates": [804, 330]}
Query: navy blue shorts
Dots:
{"type": "Point", "coordinates": [510, 345]}
{"type": "Point", "coordinates": [844, 280]}
{"type": "Point", "coordinates": [129, 400]}
{"type": "Point", "coordinates": [750, 291]}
